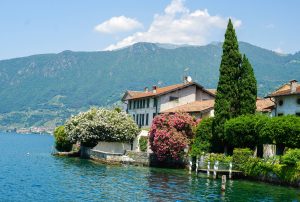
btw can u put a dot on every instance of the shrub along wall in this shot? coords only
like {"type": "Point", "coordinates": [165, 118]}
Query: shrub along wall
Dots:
{"type": "Point", "coordinates": [284, 170]}
{"type": "Point", "coordinates": [143, 143]}
{"type": "Point", "coordinates": [256, 130]}
{"type": "Point", "coordinates": [62, 142]}
{"type": "Point", "coordinates": [101, 124]}
{"type": "Point", "coordinates": [170, 134]}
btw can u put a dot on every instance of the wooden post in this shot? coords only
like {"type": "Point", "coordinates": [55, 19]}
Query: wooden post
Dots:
{"type": "Point", "coordinates": [215, 170]}
{"type": "Point", "coordinates": [216, 167]}
{"type": "Point", "coordinates": [230, 170]}
{"type": "Point", "coordinates": [190, 165]}
{"type": "Point", "coordinates": [223, 186]}
{"type": "Point", "coordinates": [208, 168]}
{"type": "Point", "coordinates": [197, 164]}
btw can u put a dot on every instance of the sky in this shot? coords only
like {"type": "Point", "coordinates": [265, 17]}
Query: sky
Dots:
{"type": "Point", "coordinates": [36, 27]}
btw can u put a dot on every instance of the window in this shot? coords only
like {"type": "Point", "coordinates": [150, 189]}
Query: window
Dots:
{"type": "Point", "coordinates": [143, 119]}
{"type": "Point", "coordinates": [134, 104]}
{"type": "Point", "coordinates": [148, 103]}
{"type": "Point", "coordinates": [154, 114]}
{"type": "Point", "coordinates": [173, 98]}
{"type": "Point", "coordinates": [137, 104]}
{"type": "Point", "coordinates": [141, 103]}
{"type": "Point", "coordinates": [129, 104]}
{"type": "Point", "coordinates": [144, 103]}
{"type": "Point", "coordinates": [140, 123]}
{"type": "Point", "coordinates": [298, 101]}
{"type": "Point", "coordinates": [147, 120]}
{"type": "Point", "coordinates": [137, 119]}
{"type": "Point", "coordinates": [154, 102]}
{"type": "Point", "coordinates": [280, 102]}
{"type": "Point", "coordinates": [297, 113]}
{"type": "Point", "coordinates": [280, 114]}
{"type": "Point", "coordinates": [133, 116]}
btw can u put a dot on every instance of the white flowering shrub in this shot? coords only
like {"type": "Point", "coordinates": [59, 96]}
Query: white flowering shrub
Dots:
{"type": "Point", "coordinates": [96, 125]}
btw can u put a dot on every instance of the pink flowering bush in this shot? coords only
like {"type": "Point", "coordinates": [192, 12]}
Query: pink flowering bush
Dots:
{"type": "Point", "coordinates": [170, 134]}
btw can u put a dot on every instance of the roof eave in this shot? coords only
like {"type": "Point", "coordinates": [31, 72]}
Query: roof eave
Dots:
{"type": "Point", "coordinates": [287, 94]}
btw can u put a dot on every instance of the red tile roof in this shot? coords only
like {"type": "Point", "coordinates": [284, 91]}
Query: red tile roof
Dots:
{"type": "Point", "coordinates": [285, 92]}
{"type": "Point", "coordinates": [160, 91]}
{"type": "Point", "coordinates": [213, 91]}
{"type": "Point", "coordinates": [264, 105]}
{"type": "Point", "coordinates": [197, 106]}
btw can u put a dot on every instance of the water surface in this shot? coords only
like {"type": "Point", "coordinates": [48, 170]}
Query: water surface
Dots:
{"type": "Point", "coordinates": [28, 172]}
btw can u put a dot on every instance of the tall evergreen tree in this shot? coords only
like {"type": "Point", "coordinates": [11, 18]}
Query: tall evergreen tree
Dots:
{"type": "Point", "coordinates": [227, 98]}
{"type": "Point", "coordinates": [247, 88]}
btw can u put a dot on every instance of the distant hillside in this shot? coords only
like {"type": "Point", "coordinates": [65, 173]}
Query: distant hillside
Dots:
{"type": "Point", "coordinates": [46, 89]}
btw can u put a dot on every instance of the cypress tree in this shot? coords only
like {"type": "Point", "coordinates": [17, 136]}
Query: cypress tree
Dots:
{"type": "Point", "coordinates": [247, 88]}
{"type": "Point", "coordinates": [227, 98]}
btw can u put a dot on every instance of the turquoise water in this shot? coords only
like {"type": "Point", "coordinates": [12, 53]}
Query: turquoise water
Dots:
{"type": "Point", "coordinates": [29, 173]}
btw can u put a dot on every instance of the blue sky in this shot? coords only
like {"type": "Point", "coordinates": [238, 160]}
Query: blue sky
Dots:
{"type": "Point", "coordinates": [33, 26]}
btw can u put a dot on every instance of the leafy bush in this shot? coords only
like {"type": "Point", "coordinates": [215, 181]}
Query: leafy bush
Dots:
{"type": "Point", "coordinates": [244, 131]}
{"type": "Point", "coordinates": [170, 134]}
{"type": "Point", "coordinates": [222, 158]}
{"type": "Point", "coordinates": [143, 143]}
{"type": "Point", "coordinates": [62, 142]}
{"type": "Point", "coordinates": [240, 156]}
{"type": "Point", "coordinates": [96, 125]}
{"type": "Point", "coordinates": [291, 157]}
{"type": "Point", "coordinates": [284, 130]}
{"type": "Point", "coordinates": [256, 167]}
{"type": "Point", "coordinates": [202, 141]}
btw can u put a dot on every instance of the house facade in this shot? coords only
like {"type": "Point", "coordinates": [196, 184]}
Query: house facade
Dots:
{"type": "Point", "coordinates": [189, 97]}
{"type": "Point", "coordinates": [143, 106]}
{"type": "Point", "coordinates": [286, 99]}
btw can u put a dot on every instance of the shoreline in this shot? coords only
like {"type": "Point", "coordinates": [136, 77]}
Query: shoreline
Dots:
{"type": "Point", "coordinates": [271, 179]}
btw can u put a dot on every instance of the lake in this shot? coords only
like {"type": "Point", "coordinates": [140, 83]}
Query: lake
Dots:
{"type": "Point", "coordinates": [28, 172]}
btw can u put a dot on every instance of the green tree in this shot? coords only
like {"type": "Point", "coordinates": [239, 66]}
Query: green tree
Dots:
{"type": "Point", "coordinates": [62, 142]}
{"type": "Point", "coordinates": [284, 131]}
{"type": "Point", "coordinates": [244, 131]}
{"type": "Point", "coordinates": [203, 139]}
{"type": "Point", "coordinates": [247, 88]}
{"type": "Point", "coordinates": [227, 98]}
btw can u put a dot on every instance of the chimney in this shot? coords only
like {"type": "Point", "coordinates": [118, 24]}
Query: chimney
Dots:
{"type": "Point", "coordinates": [185, 79]}
{"type": "Point", "coordinates": [293, 86]}
{"type": "Point", "coordinates": [146, 89]}
{"type": "Point", "coordinates": [154, 89]}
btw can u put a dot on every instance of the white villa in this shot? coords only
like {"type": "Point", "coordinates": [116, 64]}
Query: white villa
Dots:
{"type": "Point", "coordinates": [190, 97]}
{"type": "Point", "coordinates": [286, 99]}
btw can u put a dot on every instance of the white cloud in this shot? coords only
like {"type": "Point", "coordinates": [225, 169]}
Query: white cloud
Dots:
{"type": "Point", "coordinates": [278, 50]}
{"type": "Point", "coordinates": [176, 7]}
{"type": "Point", "coordinates": [118, 24]}
{"type": "Point", "coordinates": [179, 25]}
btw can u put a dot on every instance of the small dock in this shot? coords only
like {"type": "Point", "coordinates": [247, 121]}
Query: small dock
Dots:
{"type": "Point", "coordinates": [234, 173]}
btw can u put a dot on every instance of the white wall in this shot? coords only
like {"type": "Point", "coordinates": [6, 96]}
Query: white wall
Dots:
{"type": "Point", "coordinates": [112, 147]}
{"type": "Point", "coordinates": [145, 111]}
{"type": "Point", "coordinates": [143, 133]}
{"type": "Point", "coordinates": [185, 95]}
{"type": "Point", "coordinates": [201, 95]}
{"type": "Point", "coordinates": [290, 105]}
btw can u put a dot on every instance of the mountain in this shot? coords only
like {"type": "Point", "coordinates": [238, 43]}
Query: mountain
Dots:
{"type": "Point", "coordinates": [43, 90]}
